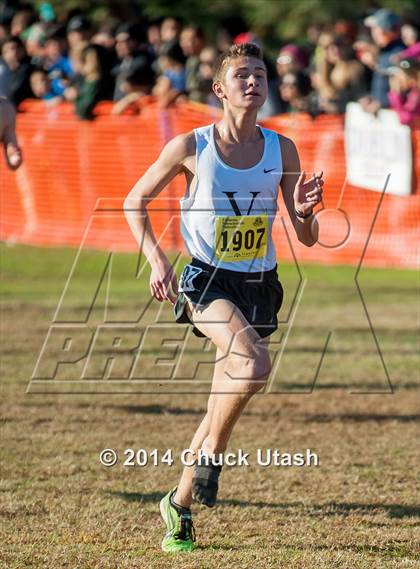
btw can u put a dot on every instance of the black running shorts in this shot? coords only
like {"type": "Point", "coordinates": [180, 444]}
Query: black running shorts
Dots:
{"type": "Point", "coordinates": [258, 295]}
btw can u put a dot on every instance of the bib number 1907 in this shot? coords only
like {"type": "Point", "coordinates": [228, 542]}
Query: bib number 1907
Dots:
{"type": "Point", "coordinates": [241, 237]}
{"type": "Point", "coordinates": [248, 239]}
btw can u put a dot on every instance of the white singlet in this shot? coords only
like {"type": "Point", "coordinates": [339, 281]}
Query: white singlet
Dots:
{"type": "Point", "coordinates": [227, 219]}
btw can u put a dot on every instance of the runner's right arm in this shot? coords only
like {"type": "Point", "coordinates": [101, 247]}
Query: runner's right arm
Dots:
{"type": "Point", "coordinates": [12, 151]}
{"type": "Point", "coordinates": [163, 284]}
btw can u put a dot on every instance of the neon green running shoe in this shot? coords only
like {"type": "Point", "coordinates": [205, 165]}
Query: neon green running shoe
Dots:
{"type": "Point", "coordinates": [180, 535]}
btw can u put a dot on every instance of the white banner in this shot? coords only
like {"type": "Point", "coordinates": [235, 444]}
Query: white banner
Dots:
{"type": "Point", "coordinates": [375, 147]}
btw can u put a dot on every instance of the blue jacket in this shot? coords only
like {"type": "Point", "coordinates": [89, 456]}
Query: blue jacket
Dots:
{"type": "Point", "coordinates": [380, 82]}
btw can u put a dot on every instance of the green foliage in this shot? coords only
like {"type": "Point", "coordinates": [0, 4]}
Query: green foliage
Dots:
{"type": "Point", "coordinates": [273, 20]}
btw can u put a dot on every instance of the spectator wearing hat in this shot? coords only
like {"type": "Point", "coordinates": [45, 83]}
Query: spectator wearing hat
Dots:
{"type": "Point", "coordinates": [173, 80]}
{"type": "Point", "coordinates": [386, 34]}
{"type": "Point", "coordinates": [291, 63]}
{"type": "Point", "coordinates": [35, 43]}
{"type": "Point", "coordinates": [404, 95]}
{"type": "Point", "coordinates": [131, 48]}
{"type": "Point", "coordinates": [291, 58]}
{"type": "Point", "coordinates": [47, 13]}
{"type": "Point", "coordinates": [78, 31]}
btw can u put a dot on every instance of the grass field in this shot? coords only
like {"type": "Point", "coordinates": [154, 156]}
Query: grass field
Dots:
{"type": "Point", "coordinates": [61, 508]}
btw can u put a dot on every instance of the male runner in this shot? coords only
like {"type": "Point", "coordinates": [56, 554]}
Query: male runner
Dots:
{"type": "Point", "coordinates": [230, 291]}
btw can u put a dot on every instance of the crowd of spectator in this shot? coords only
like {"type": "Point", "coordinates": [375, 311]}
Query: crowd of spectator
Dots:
{"type": "Point", "coordinates": [375, 61]}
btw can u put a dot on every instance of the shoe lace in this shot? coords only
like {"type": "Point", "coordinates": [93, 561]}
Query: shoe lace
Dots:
{"type": "Point", "coordinates": [186, 530]}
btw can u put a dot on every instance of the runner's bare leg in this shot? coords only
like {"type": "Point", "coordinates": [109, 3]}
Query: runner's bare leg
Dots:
{"type": "Point", "coordinates": [183, 495]}
{"type": "Point", "coordinates": [237, 376]}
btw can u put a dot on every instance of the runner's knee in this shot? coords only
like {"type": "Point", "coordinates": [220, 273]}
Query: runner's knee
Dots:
{"type": "Point", "coordinates": [253, 368]}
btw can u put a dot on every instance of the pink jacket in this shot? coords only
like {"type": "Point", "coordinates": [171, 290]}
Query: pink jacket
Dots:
{"type": "Point", "coordinates": [407, 105]}
{"type": "Point", "coordinates": [412, 52]}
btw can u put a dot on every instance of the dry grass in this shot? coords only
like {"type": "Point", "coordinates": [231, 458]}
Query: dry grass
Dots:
{"type": "Point", "coordinates": [60, 508]}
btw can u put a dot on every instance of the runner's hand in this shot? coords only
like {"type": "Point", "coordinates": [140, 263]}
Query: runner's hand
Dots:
{"type": "Point", "coordinates": [13, 156]}
{"type": "Point", "coordinates": [163, 282]}
{"type": "Point", "coordinates": [308, 194]}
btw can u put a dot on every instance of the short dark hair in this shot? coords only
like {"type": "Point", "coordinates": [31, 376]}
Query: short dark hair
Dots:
{"type": "Point", "coordinates": [235, 51]}
{"type": "Point", "coordinates": [302, 82]}
{"type": "Point", "coordinates": [173, 50]}
{"type": "Point", "coordinates": [13, 39]}
{"type": "Point", "coordinates": [39, 70]}
{"type": "Point", "coordinates": [134, 31]}
{"type": "Point", "coordinates": [142, 75]}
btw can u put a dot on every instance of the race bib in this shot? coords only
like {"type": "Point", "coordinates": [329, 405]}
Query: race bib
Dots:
{"type": "Point", "coordinates": [241, 237]}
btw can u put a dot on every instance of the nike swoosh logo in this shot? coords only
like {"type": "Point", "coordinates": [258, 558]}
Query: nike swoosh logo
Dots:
{"type": "Point", "coordinates": [267, 171]}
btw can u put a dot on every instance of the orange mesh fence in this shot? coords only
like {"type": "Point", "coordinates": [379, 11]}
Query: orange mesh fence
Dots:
{"type": "Point", "coordinates": [76, 174]}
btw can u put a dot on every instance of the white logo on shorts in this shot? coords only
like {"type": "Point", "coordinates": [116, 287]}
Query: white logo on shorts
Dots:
{"type": "Point", "coordinates": [186, 282]}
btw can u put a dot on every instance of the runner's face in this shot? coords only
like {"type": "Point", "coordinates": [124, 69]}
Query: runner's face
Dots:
{"type": "Point", "coordinates": [245, 83]}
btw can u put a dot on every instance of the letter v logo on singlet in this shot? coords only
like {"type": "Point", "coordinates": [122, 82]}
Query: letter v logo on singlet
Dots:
{"type": "Point", "coordinates": [234, 205]}
{"type": "Point", "coordinates": [186, 281]}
